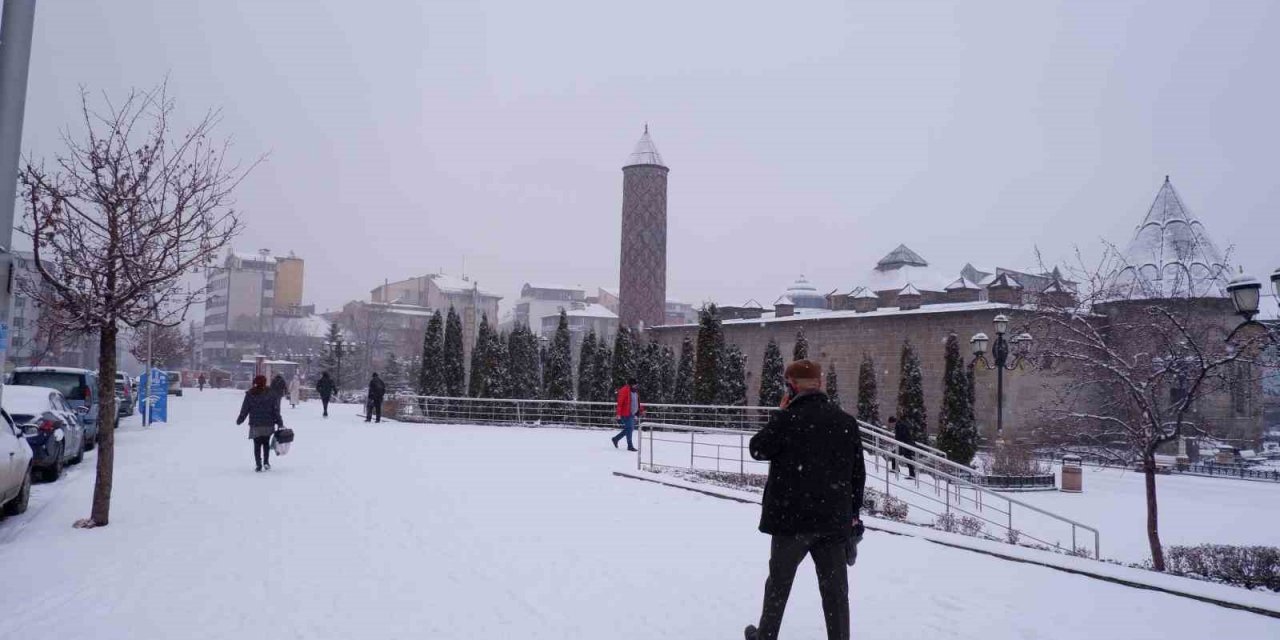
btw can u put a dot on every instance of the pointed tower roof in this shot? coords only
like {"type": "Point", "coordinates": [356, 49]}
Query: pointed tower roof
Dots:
{"type": "Point", "coordinates": [645, 152]}
{"type": "Point", "coordinates": [1171, 254]}
{"type": "Point", "coordinates": [901, 257]}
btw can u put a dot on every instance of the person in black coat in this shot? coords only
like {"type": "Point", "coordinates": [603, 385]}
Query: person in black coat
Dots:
{"type": "Point", "coordinates": [262, 408]}
{"type": "Point", "coordinates": [812, 498]}
{"type": "Point", "coordinates": [326, 388]}
{"type": "Point", "coordinates": [377, 390]}
{"type": "Point", "coordinates": [902, 433]}
{"type": "Point", "coordinates": [279, 387]}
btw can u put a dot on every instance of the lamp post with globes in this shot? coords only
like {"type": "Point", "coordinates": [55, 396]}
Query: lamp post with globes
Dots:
{"type": "Point", "coordinates": [1000, 362]}
{"type": "Point", "coordinates": [1246, 294]}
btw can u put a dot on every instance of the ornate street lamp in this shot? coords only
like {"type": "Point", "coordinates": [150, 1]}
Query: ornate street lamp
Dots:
{"type": "Point", "coordinates": [1000, 359]}
{"type": "Point", "coordinates": [1246, 293]}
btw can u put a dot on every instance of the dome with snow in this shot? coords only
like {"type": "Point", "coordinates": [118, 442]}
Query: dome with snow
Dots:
{"type": "Point", "coordinates": [804, 295]}
{"type": "Point", "coordinates": [1170, 254]}
{"type": "Point", "coordinates": [646, 152]}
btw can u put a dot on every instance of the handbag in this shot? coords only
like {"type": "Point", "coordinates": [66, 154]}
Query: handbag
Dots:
{"type": "Point", "coordinates": [281, 441]}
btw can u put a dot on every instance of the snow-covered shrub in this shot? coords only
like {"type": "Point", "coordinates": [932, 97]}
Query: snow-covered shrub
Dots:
{"type": "Point", "coordinates": [971, 526]}
{"type": "Point", "coordinates": [1247, 567]}
{"type": "Point", "coordinates": [946, 522]}
{"type": "Point", "coordinates": [1012, 536]}
{"type": "Point", "coordinates": [1014, 459]}
{"type": "Point", "coordinates": [895, 509]}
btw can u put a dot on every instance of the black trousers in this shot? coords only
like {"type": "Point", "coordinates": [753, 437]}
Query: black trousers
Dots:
{"type": "Point", "coordinates": [909, 455]}
{"type": "Point", "coordinates": [786, 553]}
{"type": "Point", "coordinates": [374, 409]}
{"type": "Point", "coordinates": [324, 402]}
{"type": "Point", "coordinates": [262, 450]}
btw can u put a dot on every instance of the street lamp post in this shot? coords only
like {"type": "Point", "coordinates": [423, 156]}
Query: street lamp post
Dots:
{"type": "Point", "coordinates": [1000, 353]}
{"type": "Point", "coordinates": [1246, 294]}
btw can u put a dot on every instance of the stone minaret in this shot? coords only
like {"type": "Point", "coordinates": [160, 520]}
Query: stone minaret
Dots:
{"type": "Point", "coordinates": [642, 281]}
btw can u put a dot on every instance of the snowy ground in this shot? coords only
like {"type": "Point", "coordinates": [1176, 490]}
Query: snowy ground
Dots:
{"type": "Point", "coordinates": [423, 531]}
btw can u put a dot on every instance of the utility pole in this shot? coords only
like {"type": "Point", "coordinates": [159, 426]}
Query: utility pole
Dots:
{"type": "Point", "coordinates": [16, 25]}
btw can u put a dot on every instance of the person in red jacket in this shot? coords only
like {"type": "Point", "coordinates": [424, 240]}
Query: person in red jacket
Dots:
{"type": "Point", "coordinates": [629, 408]}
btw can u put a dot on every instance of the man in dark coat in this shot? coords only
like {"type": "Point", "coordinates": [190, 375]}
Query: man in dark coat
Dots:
{"type": "Point", "coordinates": [326, 388]}
{"type": "Point", "coordinates": [377, 390]}
{"type": "Point", "coordinates": [279, 387]}
{"type": "Point", "coordinates": [902, 433]}
{"type": "Point", "coordinates": [811, 499]}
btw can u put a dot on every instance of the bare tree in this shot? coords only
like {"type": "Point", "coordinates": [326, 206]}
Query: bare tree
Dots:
{"type": "Point", "coordinates": [168, 348]}
{"type": "Point", "coordinates": [125, 212]}
{"type": "Point", "coordinates": [1137, 356]}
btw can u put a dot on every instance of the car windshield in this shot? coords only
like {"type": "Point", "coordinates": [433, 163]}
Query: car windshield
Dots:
{"type": "Point", "coordinates": [71, 385]}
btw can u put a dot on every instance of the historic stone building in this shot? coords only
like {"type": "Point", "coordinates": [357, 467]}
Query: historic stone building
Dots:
{"type": "Point", "coordinates": [642, 276]}
{"type": "Point", "coordinates": [905, 298]}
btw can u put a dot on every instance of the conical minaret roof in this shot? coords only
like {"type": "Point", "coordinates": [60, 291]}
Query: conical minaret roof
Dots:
{"type": "Point", "coordinates": [903, 256]}
{"type": "Point", "coordinates": [646, 152]}
{"type": "Point", "coordinates": [1170, 254]}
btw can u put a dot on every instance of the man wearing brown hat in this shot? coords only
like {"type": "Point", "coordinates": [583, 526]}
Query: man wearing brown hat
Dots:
{"type": "Point", "coordinates": [811, 499]}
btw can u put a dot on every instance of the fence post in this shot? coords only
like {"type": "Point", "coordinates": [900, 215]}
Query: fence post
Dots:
{"type": "Point", "coordinates": [742, 456]}
{"type": "Point", "coordinates": [691, 444]}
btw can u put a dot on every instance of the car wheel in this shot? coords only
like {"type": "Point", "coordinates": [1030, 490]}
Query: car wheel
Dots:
{"type": "Point", "coordinates": [54, 471]}
{"type": "Point", "coordinates": [19, 504]}
{"type": "Point", "coordinates": [79, 456]}
{"type": "Point", "coordinates": [90, 443]}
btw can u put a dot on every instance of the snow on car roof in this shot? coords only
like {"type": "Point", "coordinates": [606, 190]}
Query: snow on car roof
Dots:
{"type": "Point", "coordinates": [23, 399]}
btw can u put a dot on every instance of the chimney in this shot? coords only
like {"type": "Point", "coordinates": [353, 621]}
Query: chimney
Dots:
{"type": "Point", "coordinates": [1005, 289]}
{"type": "Point", "coordinates": [783, 309]}
{"type": "Point", "coordinates": [909, 298]}
{"type": "Point", "coordinates": [865, 301]}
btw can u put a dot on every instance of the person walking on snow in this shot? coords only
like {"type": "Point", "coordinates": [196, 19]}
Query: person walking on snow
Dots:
{"type": "Point", "coordinates": [295, 390]}
{"type": "Point", "coordinates": [200, 381]}
{"type": "Point", "coordinates": [629, 409]}
{"type": "Point", "coordinates": [377, 390]}
{"type": "Point", "coordinates": [902, 433]}
{"type": "Point", "coordinates": [279, 387]}
{"type": "Point", "coordinates": [325, 387]}
{"type": "Point", "coordinates": [812, 498]}
{"type": "Point", "coordinates": [262, 408]}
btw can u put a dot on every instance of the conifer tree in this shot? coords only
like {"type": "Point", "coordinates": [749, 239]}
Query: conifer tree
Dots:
{"type": "Point", "coordinates": [801, 351]}
{"type": "Point", "coordinates": [587, 368]}
{"type": "Point", "coordinates": [668, 373]}
{"type": "Point", "coordinates": [393, 373]}
{"type": "Point", "coordinates": [956, 433]}
{"type": "Point", "coordinates": [710, 358]}
{"type": "Point", "coordinates": [833, 385]}
{"type": "Point", "coordinates": [601, 387]}
{"type": "Point", "coordinates": [733, 383]}
{"type": "Point", "coordinates": [431, 370]}
{"type": "Point", "coordinates": [868, 398]}
{"type": "Point", "coordinates": [497, 380]}
{"type": "Point", "coordinates": [455, 373]}
{"type": "Point", "coordinates": [480, 360]}
{"type": "Point", "coordinates": [525, 364]}
{"type": "Point", "coordinates": [649, 373]}
{"type": "Point", "coordinates": [682, 393]}
{"type": "Point", "coordinates": [911, 408]}
{"type": "Point", "coordinates": [772, 382]}
{"type": "Point", "coordinates": [331, 360]}
{"type": "Point", "coordinates": [558, 371]}
{"type": "Point", "coordinates": [625, 358]}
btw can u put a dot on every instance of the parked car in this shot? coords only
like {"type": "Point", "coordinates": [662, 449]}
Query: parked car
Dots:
{"type": "Point", "coordinates": [125, 405]}
{"type": "Point", "coordinates": [15, 467]}
{"type": "Point", "coordinates": [52, 429]}
{"type": "Point", "coordinates": [79, 388]}
{"type": "Point", "coordinates": [175, 383]}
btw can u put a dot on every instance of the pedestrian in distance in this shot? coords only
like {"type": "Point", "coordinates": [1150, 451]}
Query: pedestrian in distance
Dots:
{"type": "Point", "coordinates": [295, 390]}
{"type": "Point", "coordinates": [279, 387]}
{"type": "Point", "coordinates": [812, 498]}
{"type": "Point", "coordinates": [629, 410]}
{"type": "Point", "coordinates": [200, 382]}
{"type": "Point", "coordinates": [377, 391]}
{"type": "Point", "coordinates": [902, 433]}
{"type": "Point", "coordinates": [326, 388]}
{"type": "Point", "coordinates": [262, 408]}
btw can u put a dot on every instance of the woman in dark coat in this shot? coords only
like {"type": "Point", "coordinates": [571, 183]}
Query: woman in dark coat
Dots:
{"type": "Point", "coordinates": [262, 408]}
{"type": "Point", "coordinates": [279, 386]}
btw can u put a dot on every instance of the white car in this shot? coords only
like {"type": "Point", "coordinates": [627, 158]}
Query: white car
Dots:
{"type": "Point", "coordinates": [52, 429]}
{"type": "Point", "coordinates": [15, 467]}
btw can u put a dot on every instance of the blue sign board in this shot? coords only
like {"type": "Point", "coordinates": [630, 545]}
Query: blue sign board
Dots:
{"type": "Point", "coordinates": [154, 391]}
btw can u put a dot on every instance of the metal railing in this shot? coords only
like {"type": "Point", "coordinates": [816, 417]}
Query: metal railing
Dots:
{"type": "Point", "coordinates": [715, 439]}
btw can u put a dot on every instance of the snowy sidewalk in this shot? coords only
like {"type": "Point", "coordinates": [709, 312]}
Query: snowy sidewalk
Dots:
{"type": "Point", "coordinates": [427, 531]}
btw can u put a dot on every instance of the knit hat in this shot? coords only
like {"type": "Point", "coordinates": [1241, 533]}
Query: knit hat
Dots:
{"type": "Point", "coordinates": [804, 370]}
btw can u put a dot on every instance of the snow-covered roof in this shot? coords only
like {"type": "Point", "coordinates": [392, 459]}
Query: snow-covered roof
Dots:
{"type": "Point", "coordinates": [865, 293]}
{"type": "Point", "coordinates": [1004, 280]}
{"type": "Point", "coordinates": [901, 257]}
{"type": "Point", "coordinates": [26, 399]}
{"type": "Point", "coordinates": [454, 284]}
{"type": "Point", "coordinates": [645, 152]}
{"type": "Point", "coordinates": [312, 326]}
{"type": "Point", "coordinates": [961, 283]}
{"type": "Point", "coordinates": [924, 278]}
{"type": "Point", "coordinates": [909, 290]}
{"type": "Point", "coordinates": [1171, 254]}
{"type": "Point", "coordinates": [752, 304]}
{"type": "Point", "coordinates": [591, 310]}
{"type": "Point", "coordinates": [817, 314]}
{"type": "Point", "coordinates": [253, 256]}
{"type": "Point", "coordinates": [553, 287]}
{"type": "Point", "coordinates": [803, 294]}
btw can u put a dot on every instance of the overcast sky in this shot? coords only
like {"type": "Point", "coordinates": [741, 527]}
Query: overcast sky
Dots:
{"type": "Point", "coordinates": [804, 137]}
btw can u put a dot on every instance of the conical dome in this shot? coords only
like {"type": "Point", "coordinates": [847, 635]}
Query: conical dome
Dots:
{"type": "Point", "coordinates": [646, 152]}
{"type": "Point", "coordinates": [805, 295]}
{"type": "Point", "coordinates": [1170, 254]}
